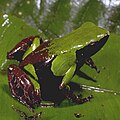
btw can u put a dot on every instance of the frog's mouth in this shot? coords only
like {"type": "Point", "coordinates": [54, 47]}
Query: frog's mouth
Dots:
{"type": "Point", "coordinates": [91, 48]}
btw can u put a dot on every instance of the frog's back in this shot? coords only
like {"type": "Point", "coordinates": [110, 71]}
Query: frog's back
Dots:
{"type": "Point", "coordinates": [77, 39]}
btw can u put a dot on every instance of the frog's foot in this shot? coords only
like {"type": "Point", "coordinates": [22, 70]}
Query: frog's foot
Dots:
{"type": "Point", "coordinates": [76, 98]}
{"type": "Point", "coordinates": [90, 63]}
{"type": "Point", "coordinates": [24, 115]}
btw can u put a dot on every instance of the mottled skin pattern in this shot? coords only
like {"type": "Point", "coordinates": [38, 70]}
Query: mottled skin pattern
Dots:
{"type": "Point", "coordinates": [21, 47]}
{"type": "Point", "coordinates": [22, 87]}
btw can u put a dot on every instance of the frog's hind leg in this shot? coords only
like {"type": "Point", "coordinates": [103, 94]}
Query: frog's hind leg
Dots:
{"type": "Point", "coordinates": [18, 51]}
{"type": "Point", "coordinates": [91, 63]}
{"type": "Point", "coordinates": [75, 98]}
{"type": "Point", "coordinates": [22, 88]}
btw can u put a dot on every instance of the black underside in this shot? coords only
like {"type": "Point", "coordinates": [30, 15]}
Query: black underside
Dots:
{"type": "Point", "coordinates": [49, 84]}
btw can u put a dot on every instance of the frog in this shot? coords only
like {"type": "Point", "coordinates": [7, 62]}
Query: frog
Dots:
{"type": "Point", "coordinates": [46, 67]}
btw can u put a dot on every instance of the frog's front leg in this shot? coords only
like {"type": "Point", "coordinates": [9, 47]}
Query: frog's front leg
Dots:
{"type": "Point", "coordinates": [91, 63]}
{"type": "Point", "coordinates": [22, 88]}
{"type": "Point", "coordinates": [68, 76]}
{"type": "Point", "coordinates": [67, 92]}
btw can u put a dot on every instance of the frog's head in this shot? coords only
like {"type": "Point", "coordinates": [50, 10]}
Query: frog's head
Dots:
{"type": "Point", "coordinates": [92, 48]}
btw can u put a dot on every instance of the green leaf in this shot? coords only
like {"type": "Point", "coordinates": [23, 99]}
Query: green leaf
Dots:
{"type": "Point", "coordinates": [114, 20]}
{"type": "Point", "coordinates": [91, 11]}
{"type": "Point", "coordinates": [104, 106]}
{"type": "Point", "coordinates": [53, 23]}
{"type": "Point", "coordinates": [58, 17]}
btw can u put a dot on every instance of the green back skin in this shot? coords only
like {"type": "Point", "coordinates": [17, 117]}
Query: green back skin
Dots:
{"type": "Point", "coordinates": [65, 48]}
{"type": "Point", "coordinates": [77, 39]}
